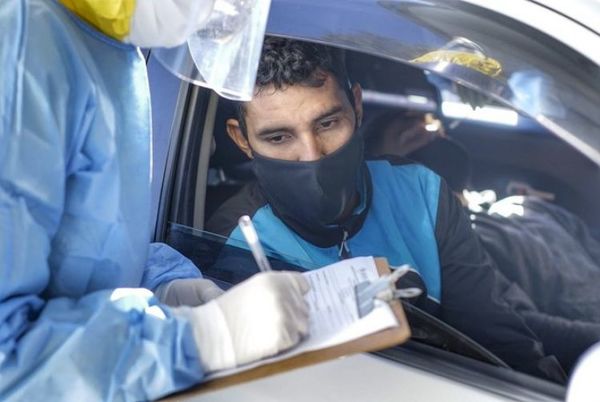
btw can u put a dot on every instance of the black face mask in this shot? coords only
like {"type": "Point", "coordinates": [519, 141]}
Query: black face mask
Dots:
{"type": "Point", "coordinates": [313, 197]}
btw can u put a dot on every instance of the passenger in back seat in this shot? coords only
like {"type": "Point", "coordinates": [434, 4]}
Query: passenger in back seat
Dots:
{"type": "Point", "coordinates": [316, 199]}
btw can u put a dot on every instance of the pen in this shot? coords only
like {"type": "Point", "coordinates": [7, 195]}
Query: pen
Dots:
{"type": "Point", "coordinates": [251, 236]}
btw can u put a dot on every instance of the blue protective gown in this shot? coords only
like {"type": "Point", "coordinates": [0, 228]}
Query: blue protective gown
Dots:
{"type": "Point", "coordinates": [74, 219]}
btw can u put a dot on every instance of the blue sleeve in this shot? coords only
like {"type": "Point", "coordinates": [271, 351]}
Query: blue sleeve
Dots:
{"type": "Point", "coordinates": [166, 264]}
{"type": "Point", "coordinates": [109, 345]}
{"type": "Point", "coordinates": [106, 345]}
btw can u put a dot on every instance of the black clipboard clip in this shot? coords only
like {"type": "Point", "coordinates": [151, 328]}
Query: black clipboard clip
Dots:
{"type": "Point", "coordinates": [382, 289]}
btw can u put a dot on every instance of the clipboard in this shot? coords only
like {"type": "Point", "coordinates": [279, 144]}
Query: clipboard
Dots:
{"type": "Point", "coordinates": [375, 341]}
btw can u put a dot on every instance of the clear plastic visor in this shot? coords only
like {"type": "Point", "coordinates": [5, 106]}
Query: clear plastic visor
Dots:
{"type": "Point", "coordinates": [224, 54]}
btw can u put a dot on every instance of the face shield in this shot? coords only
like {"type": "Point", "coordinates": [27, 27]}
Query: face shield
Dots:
{"type": "Point", "coordinates": [223, 54]}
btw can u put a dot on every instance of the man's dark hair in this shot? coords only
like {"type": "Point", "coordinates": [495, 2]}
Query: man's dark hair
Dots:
{"type": "Point", "coordinates": [284, 62]}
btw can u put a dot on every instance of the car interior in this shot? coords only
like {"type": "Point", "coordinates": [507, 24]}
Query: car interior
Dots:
{"type": "Point", "coordinates": [510, 159]}
{"type": "Point", "coordinates": [514, 156]}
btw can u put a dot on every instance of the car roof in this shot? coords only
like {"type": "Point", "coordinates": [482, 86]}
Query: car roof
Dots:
{"type": "Point", "coordinates": [585, 12]}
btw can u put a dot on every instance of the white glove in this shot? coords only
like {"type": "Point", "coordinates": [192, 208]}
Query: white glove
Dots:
{"type": "Point", "coordinates": [260, 317]}
{"type": "Point", "coordinates": [187, 292]}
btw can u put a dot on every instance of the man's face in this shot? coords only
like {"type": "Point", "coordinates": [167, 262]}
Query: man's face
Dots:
{"type": "Point", "coordinates": [298, 123]}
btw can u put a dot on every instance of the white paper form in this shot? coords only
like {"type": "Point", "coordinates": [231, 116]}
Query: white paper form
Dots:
{"type": "Point", "coordinates": [331, 300]}
{"type": "Point", "coordinates": [332, 304]}
{"type": "Point", "coordinates": [333, 313]}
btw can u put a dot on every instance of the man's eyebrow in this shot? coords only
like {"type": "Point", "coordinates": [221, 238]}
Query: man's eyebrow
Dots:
{"type": "Point", "coordinates": [278, 129]}
{"type": "Point", "coordinates": [273, 130]}
{"type": "Point", "coordinates": [328, 113]}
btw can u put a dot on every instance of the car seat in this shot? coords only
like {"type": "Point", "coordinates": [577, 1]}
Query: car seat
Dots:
{"type": "Point", "coordinates": [229, 167]}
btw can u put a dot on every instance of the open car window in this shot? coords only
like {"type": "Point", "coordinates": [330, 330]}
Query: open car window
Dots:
{"type": "Point", "coordinates": [534, 134]}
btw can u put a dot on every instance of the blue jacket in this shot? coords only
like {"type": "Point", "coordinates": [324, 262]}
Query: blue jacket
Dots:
{"type": "Point", "coordinates": [408, 238]}
{"type": "Point", "coordinates": [413, 218]}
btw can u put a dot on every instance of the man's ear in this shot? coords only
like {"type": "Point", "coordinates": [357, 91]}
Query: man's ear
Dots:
{"type": "Point", "coordinates": [358, 108]}
{"type": "Point", "coordinates": [235, 133]}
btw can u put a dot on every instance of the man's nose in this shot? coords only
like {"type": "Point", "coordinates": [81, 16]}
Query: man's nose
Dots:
{"type": "Point", "coordinates": [312, 149]}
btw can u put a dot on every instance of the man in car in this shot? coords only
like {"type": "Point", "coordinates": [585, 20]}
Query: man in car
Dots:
{"type": "Point", "coordinates": [318, 200]}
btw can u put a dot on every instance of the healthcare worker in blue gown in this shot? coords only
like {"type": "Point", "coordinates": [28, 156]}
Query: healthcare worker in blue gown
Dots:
{"type": "Point", "coordinates": [78, 317]}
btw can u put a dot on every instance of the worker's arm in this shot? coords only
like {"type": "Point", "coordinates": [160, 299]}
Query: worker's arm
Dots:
{"type": "Point", "coordinates": [165, 265]}
{"type": "Point", "coordinates": [105, 345]}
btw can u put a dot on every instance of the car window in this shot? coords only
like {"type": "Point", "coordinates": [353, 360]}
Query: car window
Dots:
{"type": "Point", "coordinates": [511, 144]}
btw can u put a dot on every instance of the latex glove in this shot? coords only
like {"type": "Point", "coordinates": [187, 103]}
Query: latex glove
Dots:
{"type": "Point", "coordinates": [260, 317]}
{"type": "Point", "coordinates": [188, 292]}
